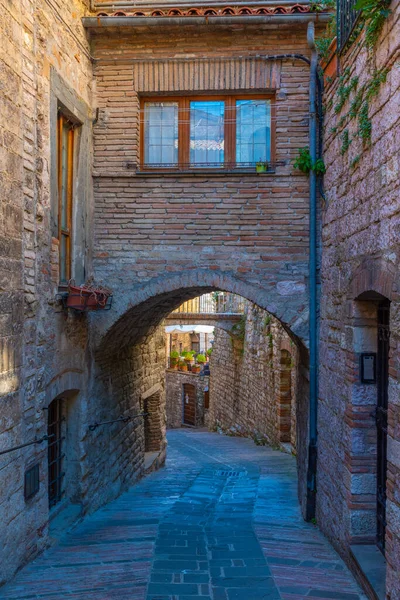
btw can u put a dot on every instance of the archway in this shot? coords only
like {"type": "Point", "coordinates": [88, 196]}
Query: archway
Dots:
{"type": "Point", "coordinates": [130, 360]}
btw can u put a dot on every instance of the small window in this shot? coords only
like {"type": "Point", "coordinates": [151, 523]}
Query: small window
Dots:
{"type": "Point", "coordinates": [65, 162]}
{"type": "Point", "coordinates": [214, 132]}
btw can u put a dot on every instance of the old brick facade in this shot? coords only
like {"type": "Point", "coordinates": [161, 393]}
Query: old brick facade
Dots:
{"type": "Point", "coordinates": [160, 238]}
{"type": "Point", "coordinates": [360, 269]}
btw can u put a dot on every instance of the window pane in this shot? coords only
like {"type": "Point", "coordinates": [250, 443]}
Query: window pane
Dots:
{"type": "Point", "coordinates": [64, 176]}
{"type": "Point", "coordinates": [161, 133]}
{"type": "Point", "coordinates": [63, 259]}
{"type": "Point", "coordinates": [253, 131]}
{"type": "Point", "coordinates": [207, 132]}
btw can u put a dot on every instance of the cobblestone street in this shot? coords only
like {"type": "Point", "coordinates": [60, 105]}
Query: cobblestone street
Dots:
{"type": "Point", "coordinates": [221, 521]}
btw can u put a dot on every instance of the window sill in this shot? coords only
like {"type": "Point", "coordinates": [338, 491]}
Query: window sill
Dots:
{"type": "Point", "coordinates": [200, 172]}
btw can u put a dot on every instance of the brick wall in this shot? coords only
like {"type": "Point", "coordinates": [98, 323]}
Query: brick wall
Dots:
{"type": "Point", "coordinates": [157, 233]}
{"type": "Point", "coordinates": [360, 260]}
{"type": "Point", "coordinates": [251, 392]}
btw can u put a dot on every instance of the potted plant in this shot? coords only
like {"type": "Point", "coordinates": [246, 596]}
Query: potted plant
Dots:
{"type": "Point", "coordinates": [209, 351]}
{"type": "Point", "coordinates": [201, 359]}
{"type": "Point", "coordinates": [182, 365]}
{"type": "Point", "coordinates": [88, 296]}
{"type": "Point", "coordinates": [173, 359]}
{"type": "Point", "coordinates": [196, 368]}
{"type": "Point", "coordinates": [189, 357]}
{"type": "Point", "coordinates": [261, 166]}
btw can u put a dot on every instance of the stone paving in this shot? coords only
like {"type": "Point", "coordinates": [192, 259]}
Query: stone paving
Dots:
{"type": "Point", "coordinates": [221, 521]}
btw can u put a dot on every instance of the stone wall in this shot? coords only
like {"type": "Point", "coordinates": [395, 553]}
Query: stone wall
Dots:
{"type": "Point", "coordinates": [123, 386]}
{"type": "Point", "coordinates": [174, 381]}
{"type": "Point", "coordinates": [251, 392]}
{"type": "Point", "coordinates": [44, 57]}
{"type": "Point", "coordinates": [360, 267]}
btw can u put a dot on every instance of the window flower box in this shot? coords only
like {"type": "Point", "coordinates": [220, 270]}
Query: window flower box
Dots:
{"type": "Point", "coordinates": [88, 297]}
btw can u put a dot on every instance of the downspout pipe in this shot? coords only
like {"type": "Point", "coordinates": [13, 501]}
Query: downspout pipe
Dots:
{"type": "Point", "coordinates": [313, 319]}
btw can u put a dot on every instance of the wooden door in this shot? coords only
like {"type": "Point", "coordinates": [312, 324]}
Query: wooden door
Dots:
{"type": "Point", "coordinates": [381, 416]}
{"type": "Point", "coordinates": [189, 404]}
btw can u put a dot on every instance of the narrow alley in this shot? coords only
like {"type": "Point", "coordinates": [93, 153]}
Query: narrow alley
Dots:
{"type": "Point", "coordinates": [220, 521]}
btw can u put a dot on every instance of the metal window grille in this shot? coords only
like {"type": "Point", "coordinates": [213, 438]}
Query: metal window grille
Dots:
{"type": "Point", "coordinates": [55, 452]}
{"type": "Point", "coordinates": [32, 482]}
{"type": "Point", "coordinates": [347, 17]}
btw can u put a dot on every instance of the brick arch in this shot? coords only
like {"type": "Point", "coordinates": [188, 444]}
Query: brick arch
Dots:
{"type": "Point", "coordinates": [137, 311]}
{"type": "Point", "coordinates": [375, 276]}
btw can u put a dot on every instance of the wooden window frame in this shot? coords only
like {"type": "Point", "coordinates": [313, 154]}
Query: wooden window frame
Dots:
{"type": "Point", "coordinates": [184, 130]}
{"type": "Point", "coordinates": [67, 232]}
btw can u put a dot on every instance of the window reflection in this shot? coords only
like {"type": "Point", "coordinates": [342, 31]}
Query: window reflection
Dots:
{"type": "Point", "coordinates": [253, 131]}
{"type": "Point", "coordinates": [161, 132]}
{"type": "Point", "coordinates": [207, 132]}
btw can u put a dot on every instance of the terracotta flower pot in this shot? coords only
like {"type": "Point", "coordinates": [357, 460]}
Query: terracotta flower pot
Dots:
{"type": "Point", "coordinates": [81, 298]}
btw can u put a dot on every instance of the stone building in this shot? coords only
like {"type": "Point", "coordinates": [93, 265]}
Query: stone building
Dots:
{"type": "Point", "coordinates": [358, 500]}
{"type": "Point", "coordinates": [87, 191]}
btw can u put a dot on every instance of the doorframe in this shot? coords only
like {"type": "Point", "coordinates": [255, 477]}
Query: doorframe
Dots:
{"type": "Point", "coordinates": [183, 405]}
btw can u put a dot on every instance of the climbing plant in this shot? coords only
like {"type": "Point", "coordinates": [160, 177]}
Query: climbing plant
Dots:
{"type": "Point", "coordinates": [359, 104]}
{"type": "Point", "coordinates": [373, 13]}
{"type": "Point", "coordinates": [349, 91]}
{"type": "Point", "coordinates": [305, 164]}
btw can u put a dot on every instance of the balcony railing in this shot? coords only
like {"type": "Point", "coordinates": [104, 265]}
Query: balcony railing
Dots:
{"type": "Point", "coordinates": [215, 303]}
{"type": "Point", "coordinates": [346, 19]}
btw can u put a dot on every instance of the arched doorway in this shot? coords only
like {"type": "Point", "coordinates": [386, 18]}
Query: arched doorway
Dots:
{"type": "Point", "coordinates": [63, 460]}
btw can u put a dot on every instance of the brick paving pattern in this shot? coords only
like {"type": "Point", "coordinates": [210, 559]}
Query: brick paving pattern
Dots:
{"type": "Point", "coordinates": [220, 522]}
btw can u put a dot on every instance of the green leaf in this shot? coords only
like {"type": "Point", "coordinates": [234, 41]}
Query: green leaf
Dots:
{"type": "Point", "coordinates": [363, 4]}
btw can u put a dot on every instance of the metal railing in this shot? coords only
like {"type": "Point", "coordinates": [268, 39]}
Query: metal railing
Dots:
{"type": "Point", "coordinates": [347, 17]}
{"type": "Point", "coordinates": [214, 303]}
{"type": "Point", "coordinates": [35, 441]}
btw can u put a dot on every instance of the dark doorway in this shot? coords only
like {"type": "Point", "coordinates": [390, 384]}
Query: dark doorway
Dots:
{"type": "Point", "coordinates": [207, 399]}
{"type": "Point", "coordinates": [189, 404]}
{"type": "Point", "coordinates": [55, 452]}
{"type": "Point", "coordinates": [381, 418]}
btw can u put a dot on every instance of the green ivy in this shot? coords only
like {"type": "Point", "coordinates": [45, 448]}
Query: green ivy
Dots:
{"type": "Point", "coordinates": [322, 5]}
{"type": "Point", "coordinates": [359, 105]}
{"type": "Point", "coordinates": [346, 141]}
{"type": "Point", "coordinates": [304, 163]}
{"type": "Point", "coordinates": [374, 13]}
{"type": "Point", "coordinates": [355, 161]}
{"type": "Point", "coordinates": [364, 123]}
